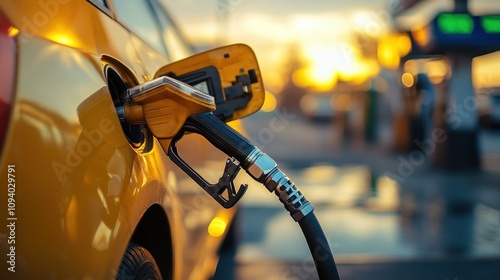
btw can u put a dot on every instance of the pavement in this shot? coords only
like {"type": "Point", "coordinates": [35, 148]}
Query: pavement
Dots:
{"type": "Point", "coordinates": [386, 215]}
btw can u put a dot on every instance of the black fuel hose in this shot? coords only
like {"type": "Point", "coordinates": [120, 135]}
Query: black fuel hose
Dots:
{"type": "Point", "coordinates": [318, 245]}
{"type": "Point", "coordinates": [264, 170]}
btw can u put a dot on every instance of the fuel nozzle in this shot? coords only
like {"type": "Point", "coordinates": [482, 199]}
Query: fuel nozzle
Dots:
{"type": "Point", "coordinates": [171, 108]}
{"type": "Point", "coordinates": [163, 104]}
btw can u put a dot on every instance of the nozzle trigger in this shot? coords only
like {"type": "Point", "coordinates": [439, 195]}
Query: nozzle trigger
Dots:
{"type": "Point", "coordinates": [225, 185]}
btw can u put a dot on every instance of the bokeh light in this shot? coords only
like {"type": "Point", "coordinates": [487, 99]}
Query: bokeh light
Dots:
{"type": "Point", "coordinates": [270, 102]}
{"type": "Point", "coordinates": [407, 80]}
{"type": "Point", "coordinates": [217, 227]}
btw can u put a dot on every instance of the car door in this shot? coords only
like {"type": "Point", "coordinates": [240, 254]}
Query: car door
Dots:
{"type": "Point", "coordinates": [72, 178]}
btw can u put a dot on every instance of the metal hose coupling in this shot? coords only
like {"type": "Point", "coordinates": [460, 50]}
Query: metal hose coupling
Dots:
{"type": "Point", "coordinates": [264, 169]}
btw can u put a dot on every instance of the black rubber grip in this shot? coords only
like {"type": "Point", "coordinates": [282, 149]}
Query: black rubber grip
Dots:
{"type": "Point", "coordinates": [222, 136]}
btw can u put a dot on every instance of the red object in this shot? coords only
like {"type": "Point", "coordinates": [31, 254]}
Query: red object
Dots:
{"type": "Point", "coordinates": [8, 35]}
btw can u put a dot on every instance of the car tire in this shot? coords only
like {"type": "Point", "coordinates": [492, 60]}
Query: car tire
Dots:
{"type": "Point", "coordinates": [138, 264]}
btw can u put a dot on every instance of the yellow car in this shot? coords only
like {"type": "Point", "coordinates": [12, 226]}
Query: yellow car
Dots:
{"type": "Point", "coordinates": [85, 196]}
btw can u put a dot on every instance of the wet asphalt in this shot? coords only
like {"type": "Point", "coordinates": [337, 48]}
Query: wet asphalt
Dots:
{"type": "Point", "coordinates": [423, 224]}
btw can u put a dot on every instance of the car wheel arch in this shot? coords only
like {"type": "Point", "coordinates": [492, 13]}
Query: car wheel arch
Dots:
{"type": "Point", "coordinates": [153, 232]}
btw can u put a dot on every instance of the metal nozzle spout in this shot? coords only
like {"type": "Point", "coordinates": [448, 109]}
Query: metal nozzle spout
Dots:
{"type": "Point", "coordinates": [131, 113]}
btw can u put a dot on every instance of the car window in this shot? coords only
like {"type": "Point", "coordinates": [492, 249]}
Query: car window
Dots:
{"type": "Point", "coordinates": [102, 5]}
{"type": "Point", "coordinates": [140, 19]}
{"type": "Point", "coordinates": [176, 45]}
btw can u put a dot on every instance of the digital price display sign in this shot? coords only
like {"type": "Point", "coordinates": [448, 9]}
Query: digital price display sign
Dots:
{"type": "Point", "coordinates": [458, 32]}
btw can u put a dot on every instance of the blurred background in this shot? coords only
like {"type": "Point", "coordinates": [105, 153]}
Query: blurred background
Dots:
{"type": "Point", "coordinates": [386, 114]}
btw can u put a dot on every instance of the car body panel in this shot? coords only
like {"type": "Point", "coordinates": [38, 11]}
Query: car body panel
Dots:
{"type": "Point", "coordinates": [81, 188]}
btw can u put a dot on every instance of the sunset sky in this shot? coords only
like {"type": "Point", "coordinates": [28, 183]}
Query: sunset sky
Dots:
{"type": "Point", "coordinates": [320, 31]}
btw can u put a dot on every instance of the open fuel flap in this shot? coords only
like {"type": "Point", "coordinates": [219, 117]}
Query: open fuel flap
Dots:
{"type": "Point", "coordinates": [230, 74]}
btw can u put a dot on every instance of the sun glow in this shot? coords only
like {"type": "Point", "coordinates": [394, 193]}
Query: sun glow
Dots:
{"type": "Point", "coordinates": [330, 63]}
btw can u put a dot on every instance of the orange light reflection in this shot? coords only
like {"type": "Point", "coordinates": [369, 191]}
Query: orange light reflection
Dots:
{"type": "Point", "coordinates": [12, 31]}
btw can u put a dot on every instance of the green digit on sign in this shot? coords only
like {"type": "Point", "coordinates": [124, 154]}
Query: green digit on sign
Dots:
{"type": "Point", "coordinates": [491, 24]}
{"type": "Point", "coordinates": [455, 24]}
